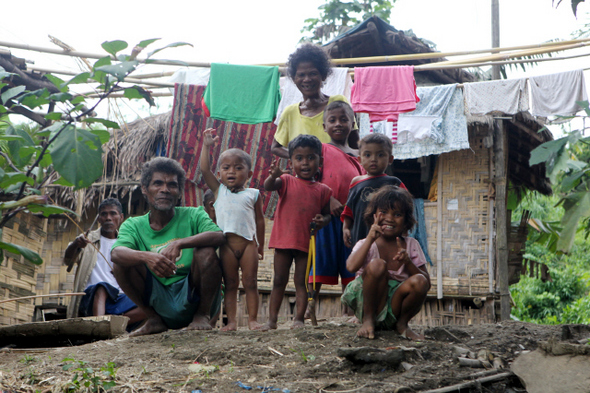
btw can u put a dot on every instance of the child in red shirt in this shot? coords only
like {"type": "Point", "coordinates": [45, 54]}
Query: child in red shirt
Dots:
{"type": "Point", "coordinates": [302, 200]}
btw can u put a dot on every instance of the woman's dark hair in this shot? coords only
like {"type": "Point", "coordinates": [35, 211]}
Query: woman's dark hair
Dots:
{"type": "Point", "coordinates": [378, 139]}
{"type": "Point", "coordinates": [162, 165]}
{"type": "Point", "coordinates": [391, 197]}
{"type": "Point", "coordinates": [312, 53]}
{"type": "Point", "coordinates": [304, 140]}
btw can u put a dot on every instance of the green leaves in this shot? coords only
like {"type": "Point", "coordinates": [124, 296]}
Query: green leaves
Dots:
{"type": "Point", "coordinates": [77, 156]}
{"type": "Point", "coordinates": [11, 93]}
{"type": "Point", "coordinates": [120, 70]}
{"type": "Point", "coordinates": [29, 255]}
{"type": "Point", "coordinates": [139, 92]}
{"type": "Point", "coordinates": [113, 47]}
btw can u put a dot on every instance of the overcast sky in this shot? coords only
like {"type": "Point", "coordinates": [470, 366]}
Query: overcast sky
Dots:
{"type": "Point", "coordinates": [265, 31]}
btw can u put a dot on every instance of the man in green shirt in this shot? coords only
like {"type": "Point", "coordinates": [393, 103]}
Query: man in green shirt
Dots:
{"type": "Point", "coordinates": [165, 261]}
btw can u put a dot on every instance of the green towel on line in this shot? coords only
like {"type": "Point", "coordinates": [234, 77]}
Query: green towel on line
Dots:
{"type": "Point", "coordinates": [242, 93]}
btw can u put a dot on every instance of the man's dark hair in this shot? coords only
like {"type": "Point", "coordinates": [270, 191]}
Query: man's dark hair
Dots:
{"type": "Point", "coordinates": [379, 139]}
{"type": "Point", "coordinates": [111, 202]}
{"type": "Point", "coordinates": [162, 165]}
{"type": "Point", "coordinates": [312, 53]}
{"type": "Point", "coordinates": [391, 197]}
{"type": "Point", "coordinates": [306, 141]}
{"type": "Point", "coordinates": [208, 196]}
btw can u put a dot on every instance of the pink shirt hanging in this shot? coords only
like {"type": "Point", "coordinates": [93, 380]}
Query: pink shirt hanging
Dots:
{"type": "Point", "coordinates": [384, 92]}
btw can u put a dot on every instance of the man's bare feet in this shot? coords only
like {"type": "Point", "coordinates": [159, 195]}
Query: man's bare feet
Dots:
{"type": "Point", "coordinates": [199, 322]}
{"type": "Point", "coordinates": [367, 330]}
{"type": "Point", "coordinates": [230, 327]}
{"type": "Point", "coordinates": [254, 325]}
{"type": "Point", "coordinates": [297, 324]}
{"type": "Point", "coordinates": [412, 335]}
{"type": "Point", "coordinates": [151, 326]}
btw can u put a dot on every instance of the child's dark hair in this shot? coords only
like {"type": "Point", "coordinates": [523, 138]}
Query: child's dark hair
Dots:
{"type": "Point", "coordinates": [379, 139]}
{"type": "Point", "coordinates": [208, 196]}
{"type": "Point", "coordinates": [242, 155]}
{"type": "Point", "coordinates": [391, 197]}
{"type": "Point", "coordinates": [337, 105]}
{"type": "Point", "coordinates": [312, 53]}
{"type": "Point", "coordinates": [306, 141]}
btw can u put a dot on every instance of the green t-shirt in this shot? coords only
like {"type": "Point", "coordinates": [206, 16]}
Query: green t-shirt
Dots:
{"type": "Point", "coordinates": [135, 233]}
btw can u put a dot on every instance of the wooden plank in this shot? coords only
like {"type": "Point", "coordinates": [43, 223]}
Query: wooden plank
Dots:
{"type": "Point", "coordinates": [439, 207]}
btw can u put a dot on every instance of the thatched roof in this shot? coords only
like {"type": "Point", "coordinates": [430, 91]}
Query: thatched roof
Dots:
{"type": "Point", "coordinates": [375, 37]}
{"type": "Point", "coordinates": [124, 154]}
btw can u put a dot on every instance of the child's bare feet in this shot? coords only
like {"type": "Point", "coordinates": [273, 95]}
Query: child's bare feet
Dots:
{"type": "Point", "coordinates": [297, 324]}
{"type": "Point", "coordinates": [151, 326]}
{"type": "Point", "coordinates": [230, 327]}
{"type": "Point", "coordinates": [253, 325]}
{"type": "Point", "coordinates": [367, 330]}
{"type": "Point", "coordinates": [353, 319]}
{"type": "Point", "coordinates": [268, 326]}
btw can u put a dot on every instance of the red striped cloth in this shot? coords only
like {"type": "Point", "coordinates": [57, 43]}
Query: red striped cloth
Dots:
{"type": "Point", "coordinates": [185, 142]}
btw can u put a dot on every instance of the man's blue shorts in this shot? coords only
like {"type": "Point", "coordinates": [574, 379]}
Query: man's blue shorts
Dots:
{"type": "Point", "coordinates": [176, 303]}
{"type": "Point", "coordinates": [116, 304]}
{"type": "Point", "coordinates": [331, 255]}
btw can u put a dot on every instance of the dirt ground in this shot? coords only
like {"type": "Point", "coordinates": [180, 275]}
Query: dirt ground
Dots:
{"type": "Point", "coordinates": [313, 359]}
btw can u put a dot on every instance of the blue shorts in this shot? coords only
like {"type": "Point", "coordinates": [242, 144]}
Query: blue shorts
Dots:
{"type": "Point", "coordinates": [331, 255]}
{"type": "Point", "coordinates": [176, 303]}
{"type": "Point", "coordinates": [116, 304]}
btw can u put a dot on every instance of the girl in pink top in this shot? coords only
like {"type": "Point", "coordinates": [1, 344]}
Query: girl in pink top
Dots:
{"type": "Point", "coordinates": [392, 281]}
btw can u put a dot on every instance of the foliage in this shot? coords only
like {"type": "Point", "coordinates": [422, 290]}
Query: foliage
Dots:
{"type": "Point", "coordinates": [336, 17]}
{"type": "Point", "coordinates": [67, 143]}
{"type": "Point", "coordinates": [567, 159]}
{"type": "Point", "coordinates": [575, 4]}
{"type": "Point", "coordinates": [87, 377]}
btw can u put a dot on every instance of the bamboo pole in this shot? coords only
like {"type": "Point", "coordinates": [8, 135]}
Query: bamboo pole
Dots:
{"type": "Point", "coordinates": [39, 296]}
{"type": "Point", "coordinates": [92, 55]}
{"type": "Point", "coordinates": [439, 207]}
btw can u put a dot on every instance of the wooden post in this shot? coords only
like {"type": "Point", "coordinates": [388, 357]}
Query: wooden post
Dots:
{"type": "Point", "coordinates": [495, 34]}
{"type": "Point", "coordinates": [439, 207]}
{"type": "Point", "coordinates": [500, 180]}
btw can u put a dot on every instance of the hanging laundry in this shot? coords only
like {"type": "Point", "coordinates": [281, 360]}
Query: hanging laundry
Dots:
{"type": "Point", "coordinates": [388, 128]}
{"type": "Point", "coordinates": [508, 96]}
{"type": "Point", "coordinates": [426, 120]}
{"type": "Point", "coordinates": [338, 82]}
{"type": "Point", "coordinates": [556, 94]}
{"type": "Point", "coordinates": [384, 92]}
{"type": "Point", "coordinates": [453, 128]}
{"type": "Point", "coordinates": [242, 94]}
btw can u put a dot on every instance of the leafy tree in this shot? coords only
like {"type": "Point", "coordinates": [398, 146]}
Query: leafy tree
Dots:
{"type": "Point", "coordinates": [336, 17]}
{"type": "Point", "coordinates": [30, 158]}
{"type": "Point", "coordinates": [567, 159]}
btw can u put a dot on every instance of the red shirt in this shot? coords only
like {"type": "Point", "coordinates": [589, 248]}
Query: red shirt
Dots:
{"type": "Point", "coordinates": [299, 202]}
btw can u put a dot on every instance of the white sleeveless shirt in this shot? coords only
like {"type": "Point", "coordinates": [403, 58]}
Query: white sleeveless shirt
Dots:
{"type": "Point", "coordinates": [235, 211]}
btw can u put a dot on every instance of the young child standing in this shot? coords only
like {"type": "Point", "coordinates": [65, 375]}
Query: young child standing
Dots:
{"type": "Point", "coordinates": [302, 200]}
{"type": "Point", "coordinates": [375, 155]}
{"type": "Point", "coordinates": [238, 211]}
{"type": "Point", "coordinates": [340, 166]}
{"type": "Point", "coordinates": [391, 277]}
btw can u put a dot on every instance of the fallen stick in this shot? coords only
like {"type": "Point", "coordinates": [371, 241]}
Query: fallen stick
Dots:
{"type": "Point", "coordinates": [466, 362]}
{"type": "Point", "coordinates": [275, 351]}
{"type": "Point", "coordinates": [454, 388]}
{"type": "Point", "coordinates": [38, 296]}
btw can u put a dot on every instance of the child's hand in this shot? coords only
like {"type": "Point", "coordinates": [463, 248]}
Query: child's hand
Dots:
{"type": "Point", "coordinates": [275, 170]}
{"type": "Point", "coordinates": [402, 254]}
{"type": "Point", "coordinates": [320, 221]}
{"type": "Point", "coordinates": [261, 252]}
{"type": "Point", "coordinates": [336, 208]}
{"type": "Point", "coordinates": [208, 139]}
{"type": "Point", "coordinates": [376, 231]}
{"type": "Point", "coordinates": [347, 237]}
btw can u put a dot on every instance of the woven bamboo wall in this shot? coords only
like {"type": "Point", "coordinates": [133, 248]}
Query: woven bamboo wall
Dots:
{"type": "Point", "coordinates": [465, 220]}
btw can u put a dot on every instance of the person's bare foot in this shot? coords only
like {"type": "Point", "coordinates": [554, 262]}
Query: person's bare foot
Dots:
{"type": "Point", "coordinates": [367, 330]}
{"type": "Point", "coordinates": [412, 335]}
{"type": "Point", "coordinates": [199, 322]}
{"type": "Point", "coordinates": [307, 313]}
{"type": "Point", "coordinates": [268, 326]}
{"type": "Point", "coordinates": [353, 319]}
{"type": "Point", "coordinates": [151, 326]}
{"type": "Point", "coordinates": [230, 327]}
{"type": "Point", "coordinates": [297, 324]}
{"type": "Point", "coordinates": [254, 325]}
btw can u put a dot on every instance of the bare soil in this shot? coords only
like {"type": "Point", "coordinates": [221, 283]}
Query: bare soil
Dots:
{"type": "Point", "coordinates": [311, 359]}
